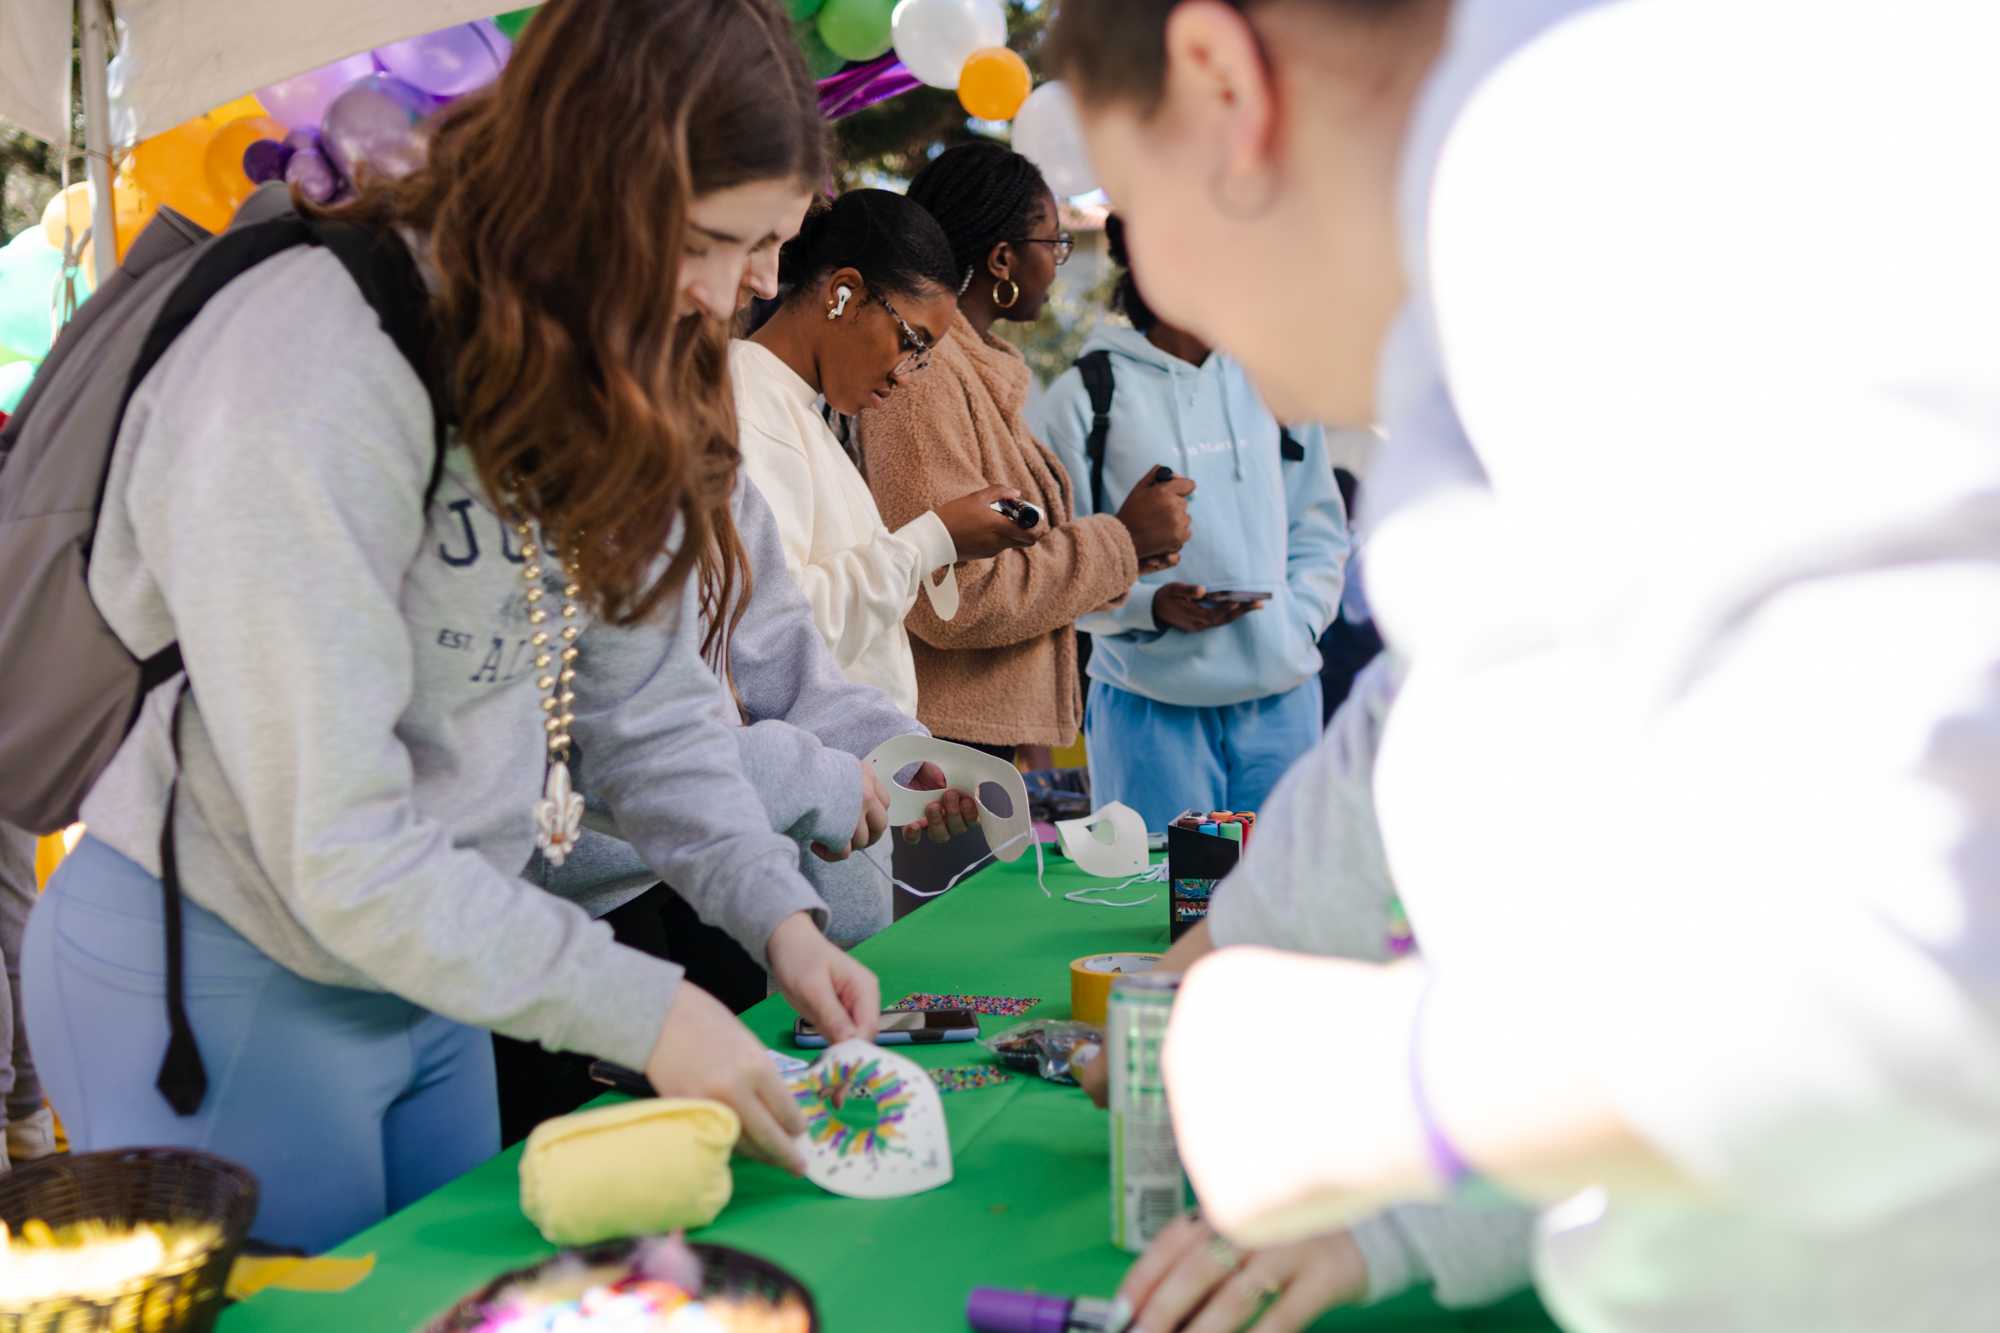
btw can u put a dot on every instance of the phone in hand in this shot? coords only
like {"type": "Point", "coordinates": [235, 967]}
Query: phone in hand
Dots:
{"type": "Point", "coordinates": [1019, 512]}
{"type": "Point", "coordinates": [906, 1027]}
{"type": "Point", "coordinates": [1221, 597]}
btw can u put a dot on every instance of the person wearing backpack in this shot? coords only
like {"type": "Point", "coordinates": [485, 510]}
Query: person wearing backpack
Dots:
{"type": "Point", "coordinates": [1204, 681]}
{"type": "Point", "coordinates": [310, 843]}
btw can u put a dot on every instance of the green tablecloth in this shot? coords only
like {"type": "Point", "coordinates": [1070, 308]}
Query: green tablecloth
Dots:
{"type": "Point", "coordinates": [1028, 1207]}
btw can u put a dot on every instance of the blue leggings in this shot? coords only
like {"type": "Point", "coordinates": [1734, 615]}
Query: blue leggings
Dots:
{"type": "Point", "coordinates": [347, 1104]}
{"type": "Point", "coordinates": [1161, 759]}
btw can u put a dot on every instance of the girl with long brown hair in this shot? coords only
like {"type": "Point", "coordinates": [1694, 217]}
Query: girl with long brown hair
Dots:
{"type": "Point", "coordinates": [378, 691]}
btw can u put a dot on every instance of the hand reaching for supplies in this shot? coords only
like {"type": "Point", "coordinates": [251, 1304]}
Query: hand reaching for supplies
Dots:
{"type": "Point", "coordinates": [830, 990]}
{"type": "Point", "coordinates": [1179, 606]}
{"type": "Point", "coordinates": [1192, 1279]}
{"type": "Point", "coordinates": [1156, 514]}
{"type": "Point", "coordinates": [703, 1051]}
{"type": "Point", "coordinates": [951, 814]}
{"type": "Point", "coordinates": [981, 532]}
{"type": "Point", "coordinates": [874, 821]}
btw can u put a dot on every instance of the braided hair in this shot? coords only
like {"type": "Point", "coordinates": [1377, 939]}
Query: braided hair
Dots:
{"type": "Point", "coordinates": [981, 193]}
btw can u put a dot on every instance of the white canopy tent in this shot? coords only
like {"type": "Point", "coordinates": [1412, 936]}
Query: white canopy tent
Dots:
{"type": "Point", "coordinates": [182, 57]}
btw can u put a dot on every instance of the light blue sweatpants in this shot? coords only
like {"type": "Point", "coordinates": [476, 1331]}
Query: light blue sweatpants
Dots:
{"type": "Point", "coordinates": [1162, 759]}
{"type": "Point", "coordinates": [347, 1104]}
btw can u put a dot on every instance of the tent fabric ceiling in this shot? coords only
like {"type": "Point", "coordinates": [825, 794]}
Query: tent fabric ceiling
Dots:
{"type": "Point", "coordinates": [186, 56]}
{"type": "Point", "coordinates": [34, 60]}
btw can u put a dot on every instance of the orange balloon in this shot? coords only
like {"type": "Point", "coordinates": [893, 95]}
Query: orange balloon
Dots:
{"type": "Point", "coordinates": [223, 158]}
{"type": "Point", "coordinates": [994, 83]}
{"type": "Point", "coordinates": [173, 168]}
{"type": "Point", "coordinates": [132, 208]}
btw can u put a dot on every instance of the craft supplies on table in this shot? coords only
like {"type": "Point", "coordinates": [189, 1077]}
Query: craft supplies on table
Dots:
{"type": "Point", "coordinates": [997, 1310]}
{"type": "Point", "coordinates": [1201, 851]}
{"type": "Point", "coordinates": [1049, 1048]}
{"type": "Point", "coordinates": [994, 1006]}
{"type": "Point", "coordinates": [1090, 981]}
{"type": "Point", "coordinates": [1148, 1188]}
{"type": "Point", "coordinates": [657, 1164]}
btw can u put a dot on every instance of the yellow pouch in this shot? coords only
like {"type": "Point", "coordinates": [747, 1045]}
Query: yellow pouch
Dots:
{"type": "Point", "coordinates": [636, 1169]}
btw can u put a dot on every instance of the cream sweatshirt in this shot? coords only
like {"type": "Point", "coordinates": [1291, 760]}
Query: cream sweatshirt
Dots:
{"type": "Point", "coordinates": [860, 578]}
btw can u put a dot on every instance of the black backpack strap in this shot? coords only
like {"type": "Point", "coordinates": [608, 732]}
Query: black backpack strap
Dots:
{"type": "Point", "coordinates": [1100, 384]}
{"type": "Point", "coordinates": [182, 1081]}
{"type": "Point", "coordinates": [386, 272]}
{"type": "Point", "coordinates": [1289, 448]}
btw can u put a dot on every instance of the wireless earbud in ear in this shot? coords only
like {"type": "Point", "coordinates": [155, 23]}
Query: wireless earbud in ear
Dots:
{"type": "Point", "coordinates": [842, 295]}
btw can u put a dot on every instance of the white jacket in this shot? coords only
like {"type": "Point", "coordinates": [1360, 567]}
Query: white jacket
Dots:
{"type": "Point", "coordinates": [860, 578]}
{"type": "Point", "coordinates": [1712, 287]}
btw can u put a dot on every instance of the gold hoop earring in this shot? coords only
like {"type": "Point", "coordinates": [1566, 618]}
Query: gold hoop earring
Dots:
{"type": "Point", "coordinates": [1013, 293]}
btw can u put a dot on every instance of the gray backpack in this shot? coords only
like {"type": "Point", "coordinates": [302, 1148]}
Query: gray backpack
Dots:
{"type": "Point", "coordinates": [74, 689]}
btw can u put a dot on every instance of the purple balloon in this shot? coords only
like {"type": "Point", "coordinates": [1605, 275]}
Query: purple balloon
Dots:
{"type": "Point", "coordinates": [378, 124]}
{"type": "Point", "coordinates": [312, 175]}
{"type": "Point", "coordinates": [447, 63]}
{"type": "Point", "coordinates": [266, 160]}
{"type": "Point", "coordinates": [300, 103]}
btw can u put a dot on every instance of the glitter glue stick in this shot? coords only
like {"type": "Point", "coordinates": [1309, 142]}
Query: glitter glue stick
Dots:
{"type": "Point", "coordinates": [994, 1310]}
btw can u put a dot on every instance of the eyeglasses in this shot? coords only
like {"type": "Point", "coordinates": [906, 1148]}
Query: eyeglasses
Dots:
{"type": "Point", "coordinates": [915, 344]}
{"type": "Point", "coordinates": [1064, 243]}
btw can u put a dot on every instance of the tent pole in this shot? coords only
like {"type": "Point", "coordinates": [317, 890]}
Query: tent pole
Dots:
{"type": "Point", "coordinates": [95, 16]}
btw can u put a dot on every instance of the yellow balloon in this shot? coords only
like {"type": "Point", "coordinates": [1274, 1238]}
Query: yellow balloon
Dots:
{"type": "Point", "coordinates": [224, 158]}
{"type": "Point", "coordinates": [73, 206]}
{"type": "Point", "coordinates": [994, 83]}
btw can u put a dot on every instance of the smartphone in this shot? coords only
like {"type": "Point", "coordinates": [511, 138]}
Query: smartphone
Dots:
{"type": "Point", "coordinates": [620, 1079]}
{"type": "Point", "coordinates": [1230, 597]}
{"type": "Point", "coordinates": [906, 1027]}
{"type": "Point", "coordinates": [1019, 512]}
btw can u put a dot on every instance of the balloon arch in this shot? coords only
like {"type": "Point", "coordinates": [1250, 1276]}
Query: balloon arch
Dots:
{"type": "Point", "coordinates": [318, 129]}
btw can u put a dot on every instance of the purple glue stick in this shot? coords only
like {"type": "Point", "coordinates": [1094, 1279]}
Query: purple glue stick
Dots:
{"type": "Point", "coordinates": [993, 1310]}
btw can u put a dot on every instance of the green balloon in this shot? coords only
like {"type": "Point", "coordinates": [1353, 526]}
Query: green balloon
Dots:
{"type": "Point", "coordinates": [14, 380]}
{"type": "Point", "coordinates": [857, 29]}
{"type": "Point", "coordinates": [29, 268]}
{"type": "Point", "coordinates": [821, 60]}
{"type": "Point", "coordinates": [513, 21]}
{"type": "Point", "coordinates": [804, 9]}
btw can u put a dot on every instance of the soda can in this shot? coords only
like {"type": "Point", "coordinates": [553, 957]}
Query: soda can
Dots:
{"type": "Point", "coordinates": [1148, 1188]}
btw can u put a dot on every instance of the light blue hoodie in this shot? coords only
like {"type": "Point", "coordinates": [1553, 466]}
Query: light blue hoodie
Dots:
{"type": "Point", "coordinates": [1260, 524]}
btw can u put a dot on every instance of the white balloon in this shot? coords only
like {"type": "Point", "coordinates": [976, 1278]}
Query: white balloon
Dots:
{"type": "Point", "coordinates": [935, 38]}
{"type": "Point", "coordinates": [1048, 133]}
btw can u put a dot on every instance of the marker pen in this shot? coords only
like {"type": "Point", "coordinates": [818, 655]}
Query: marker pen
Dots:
{"type": "Point", "coordinates": [995, 1310]}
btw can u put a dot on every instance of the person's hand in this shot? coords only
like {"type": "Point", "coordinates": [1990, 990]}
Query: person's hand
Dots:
{"type": "Point", "coordinates": [951, 814]}
{"type": "Point", "coordinates": [1192, 1279]}
{"type": "Point", "coordinates": [1179, 606]}
{"type": "Point", "coordinates": [979, 532]}
{"type": "Point", "coordinates": [830, 990]}
{"type": "Point", "coordinates": [1334, 1140]}
{"type": "Point", "coordinates": [1158, 563]}
{"type": "Point", "coordinates": [1093, 1075]}
{"type": "Point", "coordinates": [703, 1051]}
{"type": "Point", "coordinates": [872, 824]}
{"type": "Point", "coordinates": [1156, 514]}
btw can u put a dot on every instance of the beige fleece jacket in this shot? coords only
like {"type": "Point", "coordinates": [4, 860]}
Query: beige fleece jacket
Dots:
{"type": "Point", "coordinates": [1003, 671]}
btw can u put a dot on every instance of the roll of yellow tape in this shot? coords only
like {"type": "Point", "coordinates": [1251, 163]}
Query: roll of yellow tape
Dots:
{"type": "Point", "coordinates": [1090, 982]}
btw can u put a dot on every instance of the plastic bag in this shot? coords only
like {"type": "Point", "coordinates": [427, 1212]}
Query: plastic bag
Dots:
{"type": "Point", "coordinates": [1049, 1047]}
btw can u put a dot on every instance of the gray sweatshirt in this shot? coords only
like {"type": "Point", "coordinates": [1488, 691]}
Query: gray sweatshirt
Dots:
{"type": "Point", "coordinates": [1315, 880]}
{"type": "Point", "coordinates": [363, 748]}
{"type": "Point", "coordinates": [799, 707]}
